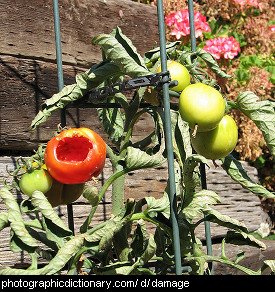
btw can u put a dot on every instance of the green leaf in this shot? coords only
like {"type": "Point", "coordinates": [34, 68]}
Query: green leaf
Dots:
{"type": "Point", "coordinates": [138, 159]}
{"type": "Point", "coordinates": [201, 201]}
{"type": "Point", "coordinates": [271, 70]}
{"type": "Point", "coordinates": [105, 234]}
{"type": "Point", "coordinates": [239, 38]}
{"type": "Point", "coordinates": [152, 157]}
{"type": "Point", "coordinates": [191, 177]}
{"type": "Point", "coordinates": [4, 221]}
{"type": "Point", "coordinates": [239, 256]}
{"type": "Point", "coordinates": [211, 63]}
{"type": "Point", "coordinates": [262, 113]}
{"type": "Point", "coordinates": [139, 238]}
{"type": "Point", "coordinates": [118, 48]}
{"type": "Point", "coordinates": [242, 75]}
{"type": "Point", "coordinates": [90, 193]}
{"type": "Point", "coordinates": [250, 60]}
{"type": "Point", "coordinates": [235, 169]}
{"type": "Point", "coordinates": [154, 54]}
{"type": "Point", "coordinates": [181, 137]}
{"type": "Point", "coordinates": [40, 202]}
{"type": "Point", "coordinates": [269, 264]}
{"type": "Point", "coordinates": [223, 220]}
{"type": "Point", "coordinates": [84, 82]}
{"type": "Point", "coordinates": [113, 123]}
{"type": "Point", "coordinates": [56, 264]}
{"type": "Point", "coordinates": [239, 237]}
{"type": "Point", "coordinates": [15, 218]}
{"type": "Point", "coordinates": [161, 205]}
{"type": "Point", "coordinates": [149, 251]}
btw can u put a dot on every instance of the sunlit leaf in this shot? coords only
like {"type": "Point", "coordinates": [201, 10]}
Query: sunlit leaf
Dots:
{"type": "Point", "coordinates": [235, 169]}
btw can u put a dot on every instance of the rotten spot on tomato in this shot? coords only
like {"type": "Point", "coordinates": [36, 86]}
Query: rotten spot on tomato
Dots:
{"type": "Point", "coordinates": [73, 149]}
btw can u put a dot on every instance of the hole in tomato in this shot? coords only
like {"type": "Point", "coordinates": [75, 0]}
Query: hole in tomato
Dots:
{"type": "Point", "coordinates": [73, 149]}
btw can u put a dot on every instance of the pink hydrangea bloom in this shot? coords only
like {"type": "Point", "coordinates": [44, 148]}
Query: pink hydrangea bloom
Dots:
{"type": "Point", "coordinates": [226, 47]}
{"type": "Point", "coordinates": [180, 22]}
{"type": "Point", "coordinates": [248, 3]}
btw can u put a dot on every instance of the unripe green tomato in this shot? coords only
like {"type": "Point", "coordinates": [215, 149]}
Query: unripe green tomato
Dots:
{"type": "Point", "coordinates": [63, 194]}
{"type": "Point", "coordinates": [219, 142]}
{"type": "Point", "coordinates": [37, 180]}
{"type": "Point", "coordinates": [177, 72]}
{"type": "Point", "coordinates": [202, 106]}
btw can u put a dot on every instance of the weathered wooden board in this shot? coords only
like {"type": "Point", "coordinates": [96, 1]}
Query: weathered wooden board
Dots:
{"type": "Point", "coordinates": [236, 201]}
{"type": "Point", "coordinates": [27, 28]}
{"type": "Point", "coordinates": [32, 82]}
{"type": "Point", "coordinates": [27, 58]}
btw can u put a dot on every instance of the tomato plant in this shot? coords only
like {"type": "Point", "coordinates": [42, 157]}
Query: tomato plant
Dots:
{"type": "Point", "coordinates": [75, 155]}
{"type": "Point", "coordinates": [123, 244]}
{"type": "Point", "coordinates": [37, 179]}
{"type": "Point", "coordinates": [179, 73]}
{"type": "Point", "coordinates": [202, 106]}
{"type": "Point", "coordinates": [219, 142]}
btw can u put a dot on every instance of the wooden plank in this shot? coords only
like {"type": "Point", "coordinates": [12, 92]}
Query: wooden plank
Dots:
{"type": "Point", "coordinates": [24, 86]}
{"type": "Point", "coordinates": [28, 65]}
{"type": "Point", "coordinates": [27, 28]}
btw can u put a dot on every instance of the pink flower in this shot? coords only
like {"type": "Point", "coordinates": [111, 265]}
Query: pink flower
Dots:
{"type": "Point", "coordinates": [170, 19]}
{"type": "Point", "coordinates": [226, 47]}
{"type": "Point", "coordinates": [248, 3]}
{"type": "Point", "coordinates": [180, 22]}
{"type": "Point", "coordinates": [272, 28]}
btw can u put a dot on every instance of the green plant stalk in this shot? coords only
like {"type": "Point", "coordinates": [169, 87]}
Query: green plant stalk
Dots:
{"type": "Point", "coordinates": [118, 183]}
{"type": "Point", "coordinates": [210, 258]}
{"type": "Point", "coordinates": [118, 191]}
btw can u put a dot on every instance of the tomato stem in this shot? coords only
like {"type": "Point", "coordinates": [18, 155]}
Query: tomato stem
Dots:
{"type": "Point", "coordinates": [195, 131]}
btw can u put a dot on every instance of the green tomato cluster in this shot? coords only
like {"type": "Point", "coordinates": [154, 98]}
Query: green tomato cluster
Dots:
{"type": "Point", "coordinates": [215, 134]}
{"type": "Point", "coordinates": [57, 193]}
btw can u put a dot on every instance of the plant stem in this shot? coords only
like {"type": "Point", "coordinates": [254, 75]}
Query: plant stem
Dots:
{"type": "Point", "coordinates": [109, 181]}
{"type": "Point", "coordinates": [118, 191]}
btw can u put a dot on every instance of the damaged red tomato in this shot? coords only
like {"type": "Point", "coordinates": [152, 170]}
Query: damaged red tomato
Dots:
{"type": "Point", "coordinates": [75, 156]}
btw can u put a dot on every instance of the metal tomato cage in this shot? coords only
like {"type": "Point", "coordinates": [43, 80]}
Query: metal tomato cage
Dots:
{"type": "Point", "coordinates": [168, 132]}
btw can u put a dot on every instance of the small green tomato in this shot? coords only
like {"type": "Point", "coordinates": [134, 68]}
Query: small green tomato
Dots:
{"type": "Point", "coordinates": [219, 142]}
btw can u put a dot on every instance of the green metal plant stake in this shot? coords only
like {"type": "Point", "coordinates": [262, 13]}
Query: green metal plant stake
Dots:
{"type": "Point", "coordinates": [60, 86]}
{"type": "Point", "coordinates": [169, 144]}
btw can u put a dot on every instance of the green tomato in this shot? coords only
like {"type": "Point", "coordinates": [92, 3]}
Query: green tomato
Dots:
{"type": "Point", "coordinates": [177, 72]}
{"type": "Point", "coordinates": [37, 180]}
{"type": "Point", "coordinates": [219, 142]}
{"type": "Point", "coordinates": [202, 106]}
{"type": "Point", "coordinates": [63, 194]}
